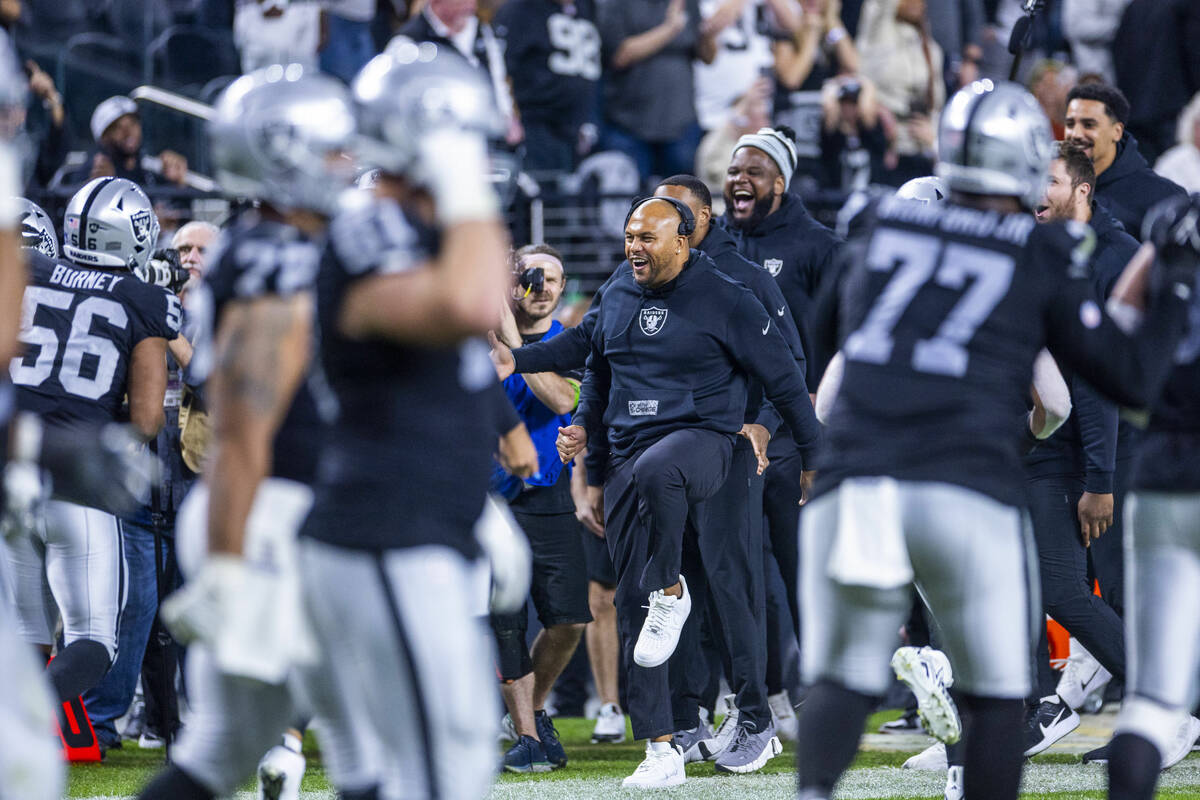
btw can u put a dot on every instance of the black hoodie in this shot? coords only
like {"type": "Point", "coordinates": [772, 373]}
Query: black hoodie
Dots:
{"type": "Point", "coordinates": [1129, 188]}
{"type": "Point", "coordinates": [799, 252]}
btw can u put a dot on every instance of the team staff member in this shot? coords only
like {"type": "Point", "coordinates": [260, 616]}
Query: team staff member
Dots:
{"type": "Point", "coordinates": [674, 347]}
{"type": "Point", "coordinates": [1125, 183]}
{"type": "Point", "coordinates": [543, 507]}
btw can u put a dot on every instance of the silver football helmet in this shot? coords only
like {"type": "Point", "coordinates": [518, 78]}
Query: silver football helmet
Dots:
{"type": "Point", "coordinates": [411, 90]}
{"type": "Point", "coordinates": [110, 224]}
{"type": "Point", "coordinates": [37, 229]}
{"type": "Point", "coordinates": [928, 190]}
{"type": "Point", "coordinates": [281, 134]}
{"type": "Point", "coordinates": [994, 139]}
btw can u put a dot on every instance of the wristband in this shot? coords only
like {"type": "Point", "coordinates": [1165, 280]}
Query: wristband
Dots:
{"type": "Point", "coordinates": [835, 36]}
{"type": "Point", "coordinates": [455, 168]}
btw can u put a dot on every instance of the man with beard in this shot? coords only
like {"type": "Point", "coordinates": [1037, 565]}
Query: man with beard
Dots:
{"type": "Point", "coordinates": [773, 228]}
{"type": "Point", "coordinates": [1125, 183]}
{"type": "Point", "coordinates": [117, 128]}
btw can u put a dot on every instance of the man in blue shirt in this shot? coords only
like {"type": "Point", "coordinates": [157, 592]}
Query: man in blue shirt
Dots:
{"type": "Point", "coordinates": [543, 506]}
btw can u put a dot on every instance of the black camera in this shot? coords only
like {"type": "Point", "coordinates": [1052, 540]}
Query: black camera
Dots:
{"type": "Point", "coordinates": [532, 279]}
{"type": "Point", "coordinates": [166, 270]}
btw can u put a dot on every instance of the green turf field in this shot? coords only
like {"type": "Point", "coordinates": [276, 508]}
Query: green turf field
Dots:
{"type": "Point", "coordinates": [595, 771]}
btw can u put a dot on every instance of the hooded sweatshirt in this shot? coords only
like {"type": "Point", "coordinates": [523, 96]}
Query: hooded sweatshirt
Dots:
{"type": "Point", "coordinates": [1129, 188]}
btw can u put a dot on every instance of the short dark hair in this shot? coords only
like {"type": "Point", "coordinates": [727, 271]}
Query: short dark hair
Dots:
{"type": "Point", "coordinates": [1078, 166]}
{"type": "Point", "coordinates": [1115, 103]}
{"type": "Point", "coordinates": [693, 184]}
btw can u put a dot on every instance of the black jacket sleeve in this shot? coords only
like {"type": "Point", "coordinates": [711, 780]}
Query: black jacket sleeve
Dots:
{"type": "Point", "coordinates": [563, 353]}
{"type": "Point", "coordinates": [756, 343]}
{"type": "Point", "coordinates": [1097, 419]}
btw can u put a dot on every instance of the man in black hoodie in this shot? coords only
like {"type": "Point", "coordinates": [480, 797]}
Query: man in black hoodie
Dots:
{"type": "Point", "coordinates": [1125, 183]}
{"type": "Point", "coordinates": [674, 348]}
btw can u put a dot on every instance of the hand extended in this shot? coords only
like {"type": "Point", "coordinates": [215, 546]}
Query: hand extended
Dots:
{"type": "Point", "coordinates": [759, 439]}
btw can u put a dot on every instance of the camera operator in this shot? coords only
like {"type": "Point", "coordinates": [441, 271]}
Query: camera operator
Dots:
{"type": "Point", "coordinates": [544, 507]}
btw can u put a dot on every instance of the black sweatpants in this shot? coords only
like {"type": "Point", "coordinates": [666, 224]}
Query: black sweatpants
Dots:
{"type": "Point", "coordinates": [649, 498]}
{"type": "Point", "coordinates": [727, 566]}
{"type": "Point", "coordinates": [781, 506]}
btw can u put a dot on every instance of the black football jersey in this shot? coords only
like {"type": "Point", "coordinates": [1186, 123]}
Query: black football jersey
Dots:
{"type": "Point", "coordinates": [408, 458]}
{"type": "Point", "coordinates": [253, 258]}
{"type": "Point", "coordinates": [943, 312]}
{"type": "Point", "coordinates": [552, 53]}
{"type": "Point", "coordinates": [79, 327]}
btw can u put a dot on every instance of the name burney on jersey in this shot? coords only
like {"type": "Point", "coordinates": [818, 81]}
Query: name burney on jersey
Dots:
{"type": "Point", "coordinates": [643, 408]}
{"type": "Point", "coordinates": [84, 279]}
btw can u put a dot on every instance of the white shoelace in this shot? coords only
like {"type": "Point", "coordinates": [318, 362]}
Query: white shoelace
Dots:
{"type": "Point", "coordinates": [660, 612]}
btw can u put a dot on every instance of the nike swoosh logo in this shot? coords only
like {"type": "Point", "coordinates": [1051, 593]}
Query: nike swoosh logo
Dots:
{"type": "Point", "coordinates": [780, 311]}
{"type": "Point", "coordinates": [1057, 719]}
{"type": "Point", "coordinates": [767, 328]}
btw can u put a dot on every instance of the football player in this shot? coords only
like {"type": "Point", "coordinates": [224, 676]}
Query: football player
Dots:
{"type": "Point", "coordinates": [37, 229]}
{"type": "Point", "coordinates": [93, 335]}
{"type": "Point", "coordinates": [278, 135]}
{"type": "Point", "coordinates": [388, 558]}
{"type": "Point", "coordinates": [944, 314]}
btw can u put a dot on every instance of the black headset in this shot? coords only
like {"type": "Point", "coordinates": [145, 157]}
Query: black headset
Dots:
{"type": "Point", "coordinates": [687, 220]}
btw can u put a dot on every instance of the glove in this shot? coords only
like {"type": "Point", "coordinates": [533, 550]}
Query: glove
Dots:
{"type": "Point", "coordinates": [106, 467]}
{"type": "Point", "coordinates": [507, 551]}
{"type": "Point", "coordinates": [25, 496]}
{"type": "Point", "coordinates": [201, 609]}
{"type": "Point", "coordinates": [164, 269]}
{"type": "Point", "coordinates": [1173, 227]}
{"type": "Point", "coordinates": [453, 163]}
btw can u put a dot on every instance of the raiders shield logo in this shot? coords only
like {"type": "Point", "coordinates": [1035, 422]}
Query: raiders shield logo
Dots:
{"type": "Point", "coordinates": [773, 266]}
{"type": "Point", "coordinates": [652, 320]}
{"type": "Point", "coordinates": [141, 224]}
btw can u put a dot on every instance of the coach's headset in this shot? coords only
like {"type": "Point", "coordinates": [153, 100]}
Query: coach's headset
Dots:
{"type": "Point", "coordinates": [687, 220]}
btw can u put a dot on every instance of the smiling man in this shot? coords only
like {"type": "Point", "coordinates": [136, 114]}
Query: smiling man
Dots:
{"type": "Point", "coordinates": [1125, 183]}
{"type": "Point", "coordinates": [674, 348]}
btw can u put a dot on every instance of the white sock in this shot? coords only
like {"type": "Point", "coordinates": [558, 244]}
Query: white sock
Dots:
{"type": "Point", "coordinates": [660, 747]}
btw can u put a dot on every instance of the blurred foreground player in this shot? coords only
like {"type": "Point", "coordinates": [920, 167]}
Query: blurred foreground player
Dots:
{"type": "Point", "coordinates": [945, 312]}
{"type": "Point", "coordinates": [388, 558]}
{"type": "Point", "coordinates": [1162, 552]}
{"type": "Point", "coordinates": [241, 609]}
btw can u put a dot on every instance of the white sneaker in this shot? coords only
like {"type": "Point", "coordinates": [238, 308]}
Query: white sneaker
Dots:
{"type": "Point", "coordinates": [280, 773]}
{"type": "Point", "coordinates": [927, 672]}
{"type": "Point", "coordinates": [661, 768]}
{"type": "Point", "coordinates": [787, 726]}
{"type": "Point", "coordinates": [508, 731]}
{"type": "Point", "coordinates": [954, 784]}
{"type": "Point", "coordinates": [1185, 737]}
{"type": "Point", "coordinates": [1082, 677]}
{"type": "Point", "coordinates": [724, 735]}
{"type": "Point", "coordinates": [660, 631]}
{"type": "Point", "coordinates": [931, 758]}
{"type": "Point", "coordinates": [610, 725]}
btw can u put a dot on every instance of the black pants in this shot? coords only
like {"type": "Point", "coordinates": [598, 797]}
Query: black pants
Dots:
{"type": "Point", "coordinates": [1106, 556]}
{"type": "Point", "coordinates": [726, 566]}
{"type": "Point", "coordinates": [781, 506]}
{"type": "Point", "coordinates": [648, 500]}
{"type": "Point", "coordinates": [1063, 564]}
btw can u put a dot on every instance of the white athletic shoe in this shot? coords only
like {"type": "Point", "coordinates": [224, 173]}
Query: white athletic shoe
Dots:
{"type": "Point", "coordinates": [927, 672]}
{"type": "Point", "coordinates": [784, 716]}
{"type": "Point", "coordinates": [661, 768]}
{"type": "Point", "coordinates": [1082, 677]}
{"type": "Point", "coordinates": [724, 735]}
{"type": "Point", "coordinates": [931, 758]}
{"type": "Point", "coordinates": [660, 631]}
{"type": "Point", "coordinates": [508, 731]}
{"type": "Point", "coordinates": [280, 773]}
{"type": "Point", "coordinates": [1185, 737]}
{"type": "Point", "coordinates": [954, 784]}
{"type": "Point", "coordinates": [610, 725]}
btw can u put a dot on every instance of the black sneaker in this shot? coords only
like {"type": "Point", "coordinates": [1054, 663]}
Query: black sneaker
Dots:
{"type": "Point", "coordinates": [1050, 721]}
{"type": "Point", "coordinates": [549, 736]}
{"type": "Point", "coordinates": [909, 723]}
{"type": "Point", "coordinates": [526, 755]}
{"type": "Point", "coordinates": [1097, 756]}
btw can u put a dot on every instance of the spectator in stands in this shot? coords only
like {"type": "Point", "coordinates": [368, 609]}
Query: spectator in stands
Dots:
{"type": "Point", "coordinates": [957, 27]}
{"type": "Point", "coordinates": [751, 111]}
{"type": "Point", "coordinates": [456, 24]}
{"type": "Point", "coordinates": [45, 121]}
{"type": "Point", "coordinates": [905, 64]}
{"type": "Point", "coordinates": [743, 32]}
{"type": "Point", "coordinates": [117, 129]}
{"type": "Point", "coordinates": [278, 32]}
{"type": "Point", "coordinates": [10, 13]}
{"type": "Point", "coordinates": [1049, 83]}
{"type": "Point", "coordinates": [820, 49]}
{"type": "Point", "coordinates": [853, 142]}
{"type": "Point", "coordinates": [552, 54]}
{"type": "Point", "coordinates": [649, 92]}
{"type": "Point", "coordinates": [1182, 162]}
{"type": "Point", "coordinates": [1157, 58]}
{"type": "Point", "coordinates": [348, 45]}
{"type": "Point", "coordinates": [1089, 27]}
{"type": "Point", "coordinates": [1125, 184]}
